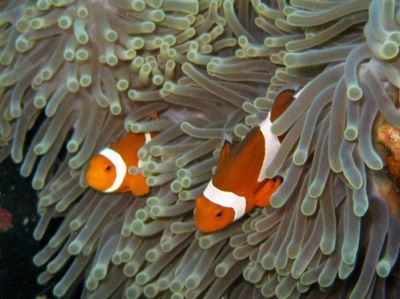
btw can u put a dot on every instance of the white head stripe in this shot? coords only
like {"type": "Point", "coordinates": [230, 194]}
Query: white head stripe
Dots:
{"type": "Point", "coordinates": [226, 199]}
{"type": "Point", "coordinates": [147, 138]}
{"type": "Point", "coordinates": [120, 167]}
{"type": "Point", "coordinates": [272, 145]}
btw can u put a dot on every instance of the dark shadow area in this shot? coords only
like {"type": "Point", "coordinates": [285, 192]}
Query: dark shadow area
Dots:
{"type": "Point", "coordinates": [17, 247]}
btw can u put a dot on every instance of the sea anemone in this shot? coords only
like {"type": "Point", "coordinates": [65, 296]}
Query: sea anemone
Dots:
{"type": "Point", "coordinates": [76, 74]}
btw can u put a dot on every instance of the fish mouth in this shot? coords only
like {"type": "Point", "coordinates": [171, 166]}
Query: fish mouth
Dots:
{"type": "Point", "coordinates": [90, 175]}
{"type": "Point", "coordinates": [199, 221]}
{"type": "Point", "coordinates": [93, 181]}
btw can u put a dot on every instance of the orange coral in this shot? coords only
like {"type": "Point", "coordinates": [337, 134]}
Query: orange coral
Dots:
{"type": "Point", "coordinates": [390, 138]}
{"type": "Point", "coordinates": [393, 166]}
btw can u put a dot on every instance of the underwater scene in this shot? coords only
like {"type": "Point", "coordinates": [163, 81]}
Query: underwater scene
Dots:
{"type": "Point", "coordinates": [210, 149]}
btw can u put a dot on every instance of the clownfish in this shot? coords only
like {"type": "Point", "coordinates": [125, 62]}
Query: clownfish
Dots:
{"type": "Point", "coordinates": [239, 183]}
{"type": "Point", "coordinates": [108, 170]}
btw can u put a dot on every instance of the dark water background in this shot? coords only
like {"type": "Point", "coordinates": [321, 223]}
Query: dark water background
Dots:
{"type": "Point", "coordinates": [17, 247]}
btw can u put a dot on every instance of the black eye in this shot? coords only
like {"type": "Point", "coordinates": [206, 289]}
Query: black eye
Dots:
{"type": "Point", "coordinates": [219, 214]}
{"type": "Point", "coordinates": [108, 168]}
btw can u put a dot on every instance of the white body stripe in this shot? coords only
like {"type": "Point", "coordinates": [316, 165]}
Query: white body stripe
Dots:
{"type": "Point", "coordinates": [147, 138]}
{"type": "Point", "coordinates": [120, 167]}
{"type": "Point", "coordinates": [272, 145]}
{"type": "Point", "coordinates": [226, 199]}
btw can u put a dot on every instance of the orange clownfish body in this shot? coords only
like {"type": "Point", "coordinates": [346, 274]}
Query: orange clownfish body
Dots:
{"type": "Point", "coordinates": [239, 183]}
{"type": "Point", "coordinates": [108, 170]}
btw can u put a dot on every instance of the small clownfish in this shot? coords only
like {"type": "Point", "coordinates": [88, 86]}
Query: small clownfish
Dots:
{"type": "Point", "coordinates": [108, 170]}
{"type": "Point", "coordinates": [239, 183]}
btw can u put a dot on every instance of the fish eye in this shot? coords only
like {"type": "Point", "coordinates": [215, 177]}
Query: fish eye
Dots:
{"type": "Point", "coordinates": [108, 168]}
{"type": "Point", "coordinates": [219, 214]}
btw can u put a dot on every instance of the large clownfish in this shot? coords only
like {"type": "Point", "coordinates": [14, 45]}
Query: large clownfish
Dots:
{"type": "Point", "coordinates": [108, 170]}
{"type": "Point", "coordinates": [239, 183]}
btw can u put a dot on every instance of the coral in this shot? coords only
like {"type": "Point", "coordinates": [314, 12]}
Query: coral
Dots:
{"type": "Point", "coordinates": [388, 136]}
{"type": "Point", "coordinates": [5, 220]}
{"type": "Point", "coordinates": [76, 74]}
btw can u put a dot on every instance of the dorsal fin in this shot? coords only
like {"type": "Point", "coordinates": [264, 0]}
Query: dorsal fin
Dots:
{"type": "Point", "coordinates": [226, 145]}
{"type": "Point", "coordinates": [225, 150]}
{"type": "Point", "coordinates": [281, 103]}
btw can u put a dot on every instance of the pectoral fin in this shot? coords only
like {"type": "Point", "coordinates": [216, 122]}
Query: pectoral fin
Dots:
{"type": "Point", "coordinates": [138, 186]}
{"type": "Point", "coordinates": [263, 194]}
